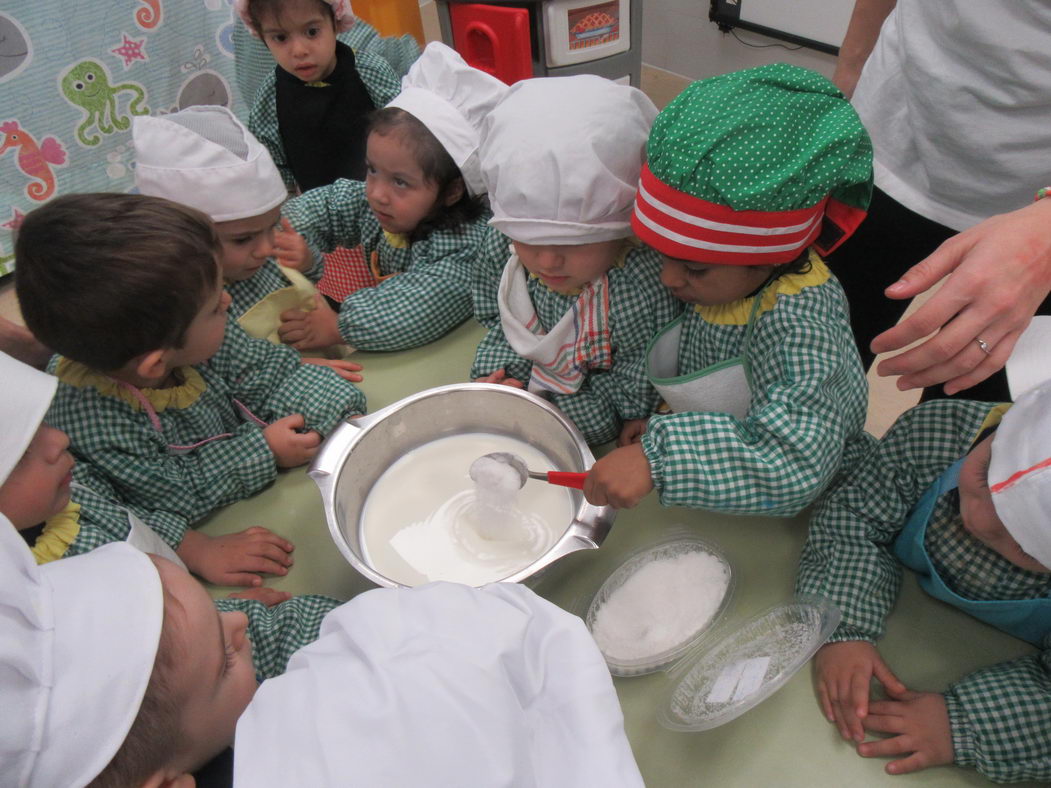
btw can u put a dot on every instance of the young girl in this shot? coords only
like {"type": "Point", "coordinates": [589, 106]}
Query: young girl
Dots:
{"type": "Point", "coordinates": [418, 215]}
{"type": "Point", "coordinates": [746, 171]}
{"type": "Point", "coordinates": [311, 110]}
{"type": "Point", "coordinates": [205, 158]}
{"type": "Point", "coordinates": [570, 312]}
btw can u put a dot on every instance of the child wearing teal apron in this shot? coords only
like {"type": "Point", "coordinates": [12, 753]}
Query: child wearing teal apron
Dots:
{"type": "Point", "coordinates": [750, 177]}
{"type": "Point", "coordinates": [966, 511]}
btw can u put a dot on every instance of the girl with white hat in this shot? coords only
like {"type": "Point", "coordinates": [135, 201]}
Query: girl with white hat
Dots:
{"type": "Point", "coordinates": [419, 213]}
{"type": "Point", "coordinates": [968, 511]}
{"type": "Point", "coordinates": [204, 157]}
{"type": "Point", "coordinates": [569, 297]}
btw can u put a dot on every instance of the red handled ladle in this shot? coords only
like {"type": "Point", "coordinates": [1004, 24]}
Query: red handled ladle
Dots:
{"type": "Point", "coordinates": [561, 478]}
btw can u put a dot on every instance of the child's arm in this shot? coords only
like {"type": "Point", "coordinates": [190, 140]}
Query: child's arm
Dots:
{"type": "Point", "coordinates": [493, 254]}
{"type": "Point", "coordinates": [278, 632]}
{"type": "Point", "coordinates": [331, 216]}
{"type": "Point", "coordinates": [495, 354]}
{"type": "Point", "coordinates": [262, 122]}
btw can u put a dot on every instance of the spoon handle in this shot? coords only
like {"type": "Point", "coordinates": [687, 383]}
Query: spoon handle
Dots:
{"type": "Point", "coordinates": [567, 479]}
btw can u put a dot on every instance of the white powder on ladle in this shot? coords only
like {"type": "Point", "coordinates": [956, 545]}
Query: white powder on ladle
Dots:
{"type": "Point", "coordinates": [660, 606]}
{"type": "Point", "coordinates": [496, 493]}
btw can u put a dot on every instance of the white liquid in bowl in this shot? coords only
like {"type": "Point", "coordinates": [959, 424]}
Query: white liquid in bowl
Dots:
{"type": "Point", "coordinates": [422, 522]}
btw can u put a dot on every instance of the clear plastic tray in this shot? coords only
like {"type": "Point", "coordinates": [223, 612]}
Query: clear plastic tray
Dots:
{"type": "Point", "coordinates": [669, 547]}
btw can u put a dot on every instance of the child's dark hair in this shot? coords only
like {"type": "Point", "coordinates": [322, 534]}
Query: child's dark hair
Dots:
{"type": "Point", "coordinates": [103, 278]}
{"type": "Point", "coordinates": [801, 265]}
{"type": "Point", "coordinates": [260, 10]}
{"type": "Point", "coordinates": [438, 167]}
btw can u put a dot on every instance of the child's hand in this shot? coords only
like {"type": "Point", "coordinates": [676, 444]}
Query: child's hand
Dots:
{"type": "Point", "coordinates": [236, 559]}
{"type": "Point", "coordinates": [620, 479]}
{"type": "Point", "coordinates": [347, 370]}
{"type": "Point", "coordinates": [632, 431]}
{"type": "Point", "coordinates": [844, 671]}
{"type": "Point", "coordinates": [501, 377]}
{"type": "Point", "coordinates": [919, 722]}
{"type": "Point", "coordinates": [311, 330]}
{"type": "Point", "coordinates": [290, 248]}
{"type": "Point", "coordinates": [291, 447]}
{"type": "Point", "coordinates": [268, 596]}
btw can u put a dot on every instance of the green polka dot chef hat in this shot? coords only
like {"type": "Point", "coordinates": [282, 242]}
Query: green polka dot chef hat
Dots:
{"type": "Point", "coordinates": [752, 167]}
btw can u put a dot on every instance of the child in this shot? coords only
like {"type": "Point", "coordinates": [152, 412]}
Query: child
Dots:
{"type": "Point", "coordinates": [570, 312]}
{"type": "Point", "coordinates": [203, 157]}
{"type": "Point", "coordinates": [311, 109]}
{"type": "Point", "coordinates": [746, 172]}
{"type": "Point", "coordinates": [976, 531]}
{"type": "Point", "coordinates": [127, 289]}
{"type": "Point", "coordinates": [418, 215]}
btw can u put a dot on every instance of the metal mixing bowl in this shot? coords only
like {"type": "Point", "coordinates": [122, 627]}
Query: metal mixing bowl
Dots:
{"type": "Point", "coordinates": [357, 453]}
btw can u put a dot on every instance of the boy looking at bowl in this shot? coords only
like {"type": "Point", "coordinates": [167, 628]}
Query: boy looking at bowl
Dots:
{"type": "Point", "coordinates": [175, 409]}
{"type": "Point", "coordinates": [968, 511]}
{"type": "Point", "coordinates": [570, 298]}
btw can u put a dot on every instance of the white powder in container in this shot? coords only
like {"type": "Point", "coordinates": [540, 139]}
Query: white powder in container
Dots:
{"type": "Point", "coordinates": [662, 605]}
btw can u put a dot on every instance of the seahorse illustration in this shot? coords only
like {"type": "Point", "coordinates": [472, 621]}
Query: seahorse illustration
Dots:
{"type": "Point", "coordinates": [33, 159]}
{"type": "Point", "coordinates": [149, 17]}
{"type": "Point", "coordinates": [87, 85]}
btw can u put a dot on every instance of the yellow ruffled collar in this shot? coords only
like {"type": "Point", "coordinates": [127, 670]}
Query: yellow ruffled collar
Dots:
{"type": "Point", "coordinates": [618, 262]}
{"type": "Point", "coordinates": [736, 313]}
{"type": "Point", "coordinates": [397, 240]}
{"type": "Point", "coordinates": [59, 532]}
{"type": "Point", "coordinates": [179, 397]}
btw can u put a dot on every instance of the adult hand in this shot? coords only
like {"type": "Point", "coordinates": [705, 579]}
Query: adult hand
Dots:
{"type": "Point", "coordinates": [311, 330]}
{"type": "Point", "coordinates": [1000, 272]}
{"type": "Point", "coordinates": [236, 559]}
{"type": "Point", "coordinates": [290, 248]}
{"type": "Point", "coordinates": [347, 370]}
{"type": "Point", "coordinates": [843, 673]}
{"type": "Point", "coordinates": [620, 479]}
{"type": "Point", "coordinates": [919, 724]}
{"type": "Point", "coordinates": [291, 447]}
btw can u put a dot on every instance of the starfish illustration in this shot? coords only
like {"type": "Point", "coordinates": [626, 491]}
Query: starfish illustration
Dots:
{"type": "Point", "coordinates": [131, 50]}
{"type": "Point", "coordinates": [15, 221]}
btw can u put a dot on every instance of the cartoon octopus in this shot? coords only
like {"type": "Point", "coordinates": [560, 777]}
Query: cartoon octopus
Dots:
{"type": "Point", "coordinates": [87, 85]}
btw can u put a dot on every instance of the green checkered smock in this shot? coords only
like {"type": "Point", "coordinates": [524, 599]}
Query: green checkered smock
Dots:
{"type": "Point", "coordinates": [114, 440]}
{"type": "Point", "coordinates": [430, 291]}
{"type": "Point", "coordinates": [807, 415]}
{"type": "Point", "coordinates": [278, 632]}
{"type": "Point", "coordinates": [1000, 715]}
{"type": "Point", "coordinates": [639, 305]}
{"type": "Point", "coordinates": [268, 279]}
{"type": "Point", "coordinates": [380, 79]}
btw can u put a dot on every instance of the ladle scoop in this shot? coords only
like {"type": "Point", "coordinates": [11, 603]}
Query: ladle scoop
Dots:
{"type": "Point", "coordinates": [561, 478]}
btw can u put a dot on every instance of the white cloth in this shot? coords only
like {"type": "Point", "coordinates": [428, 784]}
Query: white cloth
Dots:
{"type": "Point", "coordinates": [27, 394]}
{"type": "Point", "coordinates": [1020, 472]}
{"type": "Point", "coordinates": [440, 685]}
{"type": "Point", "coordinates": [562, 158]}
{"type": "Point", "coordinates": [956, 96]}
{"type": "Point", "coordinates": [1030, 359]}
{"type": "Point", "coordinates": [577, 343]}
{"type": "Point", "coordinates": [78, 638]}
{"type": "Point", "coordinates": [204, 157]}
{"type": "Point", "coordinates": [451, 99]}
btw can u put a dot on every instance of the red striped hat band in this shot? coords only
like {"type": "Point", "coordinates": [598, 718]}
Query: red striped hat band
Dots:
{"type": "Point", "coordinates": [689, 228]}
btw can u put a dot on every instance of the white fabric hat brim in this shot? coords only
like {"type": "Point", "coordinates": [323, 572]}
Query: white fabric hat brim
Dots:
{"type": "Point", "coordinates": [541, 232]}
{"type": "Point", "coordinates": [26, 397]}
{"type": "Point", "coordinates": [85, 631]}
{"type": "Point", "coordinates": [1020, 472]}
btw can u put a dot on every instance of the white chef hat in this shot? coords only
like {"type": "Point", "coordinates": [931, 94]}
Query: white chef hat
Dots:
{"type": "Point", "coordinates": [451, 99]}
{"type": "Point", "coordinates": [78, 638]}
{"type": "Point", "coordinates": [562, 156]}
{"type": "Point", "coordinates": [442, 684]}
{"type": "Point", "coordinates": [26, 398]}
{"type": "Point", "coordinates": [204, 157]}
{"type": "Point", "coordinates": [1020, 472]}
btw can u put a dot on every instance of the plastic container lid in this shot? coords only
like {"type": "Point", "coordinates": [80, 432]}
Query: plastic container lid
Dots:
{"type": "Point", "coordinates": [669, 548]}
{"type": "Point", "coordinates": [723, 679]}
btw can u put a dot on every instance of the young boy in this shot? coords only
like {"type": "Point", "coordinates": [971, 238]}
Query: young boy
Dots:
{"type": "Point", "coordinates": [748, 172]}
{"type": "Point", "coordinates": [205, 158]}
{"type": "Point", "coordinates": [128, 290]}
{"type": "Point", "coordinates": [967, 511]}
{"type": "Point", "coordinates": [569, 297]}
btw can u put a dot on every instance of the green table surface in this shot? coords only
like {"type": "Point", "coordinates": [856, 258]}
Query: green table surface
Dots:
{"type": "Point", "coordinates": [784, 741]}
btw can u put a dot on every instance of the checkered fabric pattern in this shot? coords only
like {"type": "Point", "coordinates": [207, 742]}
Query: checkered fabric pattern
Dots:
{"type": "Point", "coordinates": [639, 306]}
{"type": "Point", "coordinates": [807, 416]}
{"type": "Point", "coordinates": [278, 632]}
{"type": "Point", "coordinates": [119, 443]}
{"type": "Point", "coordinates": [345, 271]}
{"type": "Point", "coordinates": [1000, 716]}
{"type": "Point", "coordinates": [380, 80]}
{"type": "Point", "coordinates": [431, 292]}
